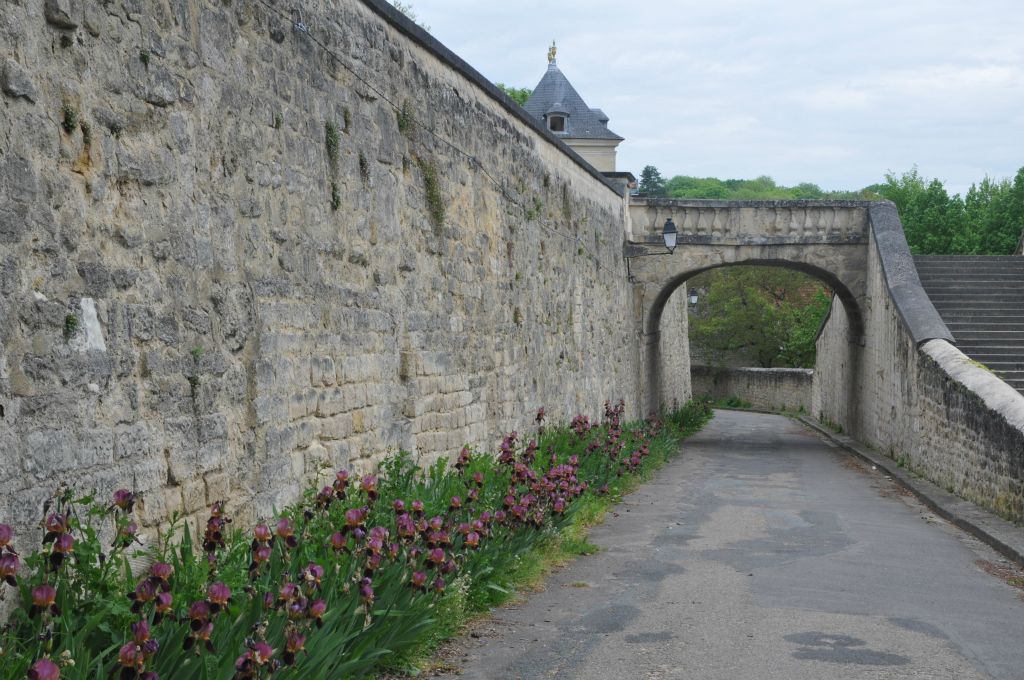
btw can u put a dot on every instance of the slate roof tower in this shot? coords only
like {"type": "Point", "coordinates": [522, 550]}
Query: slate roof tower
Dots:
{"type": "Point", "coordinates": [557, 104]}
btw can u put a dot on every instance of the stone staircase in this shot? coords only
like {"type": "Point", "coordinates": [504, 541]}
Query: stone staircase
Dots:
{"type": "Point", "coordinates": [981, 299]}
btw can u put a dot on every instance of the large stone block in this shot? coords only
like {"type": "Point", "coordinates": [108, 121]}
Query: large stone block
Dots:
{"type": "Point", "coordinates": [16, 81]}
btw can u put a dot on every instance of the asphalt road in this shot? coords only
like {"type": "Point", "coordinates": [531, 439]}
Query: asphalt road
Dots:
{"type": "Point", "coordinates": [763, 552]}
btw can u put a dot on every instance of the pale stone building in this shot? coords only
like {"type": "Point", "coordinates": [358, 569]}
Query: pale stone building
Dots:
{"type": "Point", "coordinates": [557, 104]}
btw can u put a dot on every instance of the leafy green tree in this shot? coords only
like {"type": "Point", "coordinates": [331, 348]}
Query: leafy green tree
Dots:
{"type": "Point", "coordinates": [995, 214]}
{"type": "Point", "coordinates": [768, 314]}
{"type": "Point", "coordinates": [651, 182]}
{"type": "Point", "coordinates": [406, 9]}
{"type": "Point", "coordinates": [934, 222]}
{"type": "Point", "coordinates": [761, 188]}
{"type": "Point", "coordinates": [518, 94]}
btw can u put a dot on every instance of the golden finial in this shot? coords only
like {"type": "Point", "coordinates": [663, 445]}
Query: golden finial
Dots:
{"type": "Point", "coordinates": [552, 51]}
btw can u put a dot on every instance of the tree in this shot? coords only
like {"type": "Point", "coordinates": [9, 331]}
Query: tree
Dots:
{"type": "Point", "coordinates": [770, 316]}
{"type": "Point", "coordinates": [517, 94]}
{"type": "Point", "coordinates": [995, 214]}
{"type": "Point", "coordinates": [651, 182]}
{"type": "Point", "coordinates": [406, 9]}
{"type": "Point", "coordinates": [934, 222]}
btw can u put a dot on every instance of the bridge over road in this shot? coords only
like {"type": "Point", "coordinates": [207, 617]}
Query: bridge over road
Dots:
{"type": "Point", "coordinates": [888, 371]}
{"type": "Point", "coordinates": [763, 552]}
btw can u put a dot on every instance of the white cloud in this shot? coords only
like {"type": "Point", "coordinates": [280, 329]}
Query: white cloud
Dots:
{"type": "Point", "coordinates": [828, 91]}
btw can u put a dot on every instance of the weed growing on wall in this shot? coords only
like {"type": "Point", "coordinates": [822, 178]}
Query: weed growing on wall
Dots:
{"type": "Point", "coordinates": [364, 168]}
{"type": "Point", "coordinates": [363, 573]}
{"type": "Point", "coordinates": [86, 132]}
{"type": "Point", "coordinates": [332, 140]}
{"type": "Point", "coordinates": [432, 188]}
{"type": "Point", "coordinates": [335, 196]}
{"type": "Point", "coordinates": [69, 119]}
{"type": "Point", "coordinates": [70, 326]}
{"type": "Point", "coordinates": [406, 119]}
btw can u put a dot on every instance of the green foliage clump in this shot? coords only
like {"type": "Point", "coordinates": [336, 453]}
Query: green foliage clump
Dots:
{"type": "Point", "coordinates": [86, 132]}
{"type": "Point", "coordinates": [517, 94]}
{"type": "Point", "coordinates": [335, 197]}
{"type": "Point", "coordinates": [768, 314]}
{"type": "Point", "coordinates": [732, 402]}
{"type": "Point", "coordinates": [406, 118]}
{"type": "Point", "coordinates": [364, 168]}
{"type": "Point", "coordinates": [762, 188]}
{"type": "Point", "coordinates": [432, 188]}
{"type": "Point", "coordinates": [651, 182]}
{"type": "Point", "coordinates": [332, 140]}
{"type": "Point", "coordinates": [988, 221]}
{"type": "Point", "coordinates": [70, 118]}
{"type": "Point", "coordinates": [533, 211]}
{"type": "Point", "coordinates": [360, 575]}
{"type": "Point", "coordinates": [70, 326]}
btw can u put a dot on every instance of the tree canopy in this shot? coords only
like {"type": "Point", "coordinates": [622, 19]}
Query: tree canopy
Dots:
{"type": "Point", "coordinates": [651, 182]}
{"type": "Point", "coordinates": [989, 220]}
{"type": "Point", "coordinates": [766, 315]}
{"type": "Point", "coordinates": [518, 94]}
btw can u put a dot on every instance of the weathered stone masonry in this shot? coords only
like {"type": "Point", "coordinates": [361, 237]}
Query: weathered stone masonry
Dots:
{"type": "Point", "coordinates": [247, 332]}
{"type": "Point", "coordinates": [921, 400]}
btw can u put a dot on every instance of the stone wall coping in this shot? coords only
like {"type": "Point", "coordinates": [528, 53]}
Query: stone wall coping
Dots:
{"type": "Point", "coordinates": [994, 393]}
{"type": "Point", "coordinates": [913, 304]}
{"type": "Point", "coordinates": [418, 35]}
{"type": "Point", "coordinates": [754, 369]}
{"type": "Point", "coordinates": [640, 201]}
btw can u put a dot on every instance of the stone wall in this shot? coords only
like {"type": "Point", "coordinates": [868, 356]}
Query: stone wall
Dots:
{"type": "Point", "coordinates": [674, 352]}
{"type": "Point", "coordinates": [770, 389]}
{"type": "Point", "coordinates": [920, 400]}
{"type": "Point", "coordinates": [230, 260]}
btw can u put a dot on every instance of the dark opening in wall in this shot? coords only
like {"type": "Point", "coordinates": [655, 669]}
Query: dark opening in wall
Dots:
{"type": "Point", "coordinates": [1, 410]}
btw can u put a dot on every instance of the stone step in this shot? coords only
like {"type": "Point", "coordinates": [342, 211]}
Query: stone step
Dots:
{"type": "Point", "coordinates": [979, 352]}
{"type": "Point", "coordinates": [1002, 367]}
{"type": "Point", "coordinates": [943, 280]}
{"type": "Point", "coordinates": [979, 284]}
{"type": "Point", "coordinates": [1003, 338]}
{"type": "Point", "coordinates": [987, 357]}
{"type": "Point", "coordinates": [989, 295]}
{"type": "Point", "coordinates": [968, 326]}
{"type": "Point", "coordinates": [968, 258]}
{"type": "Point", "coordinates": [981, 317]}
{"type": "Point", "coordinates": [976, 306]}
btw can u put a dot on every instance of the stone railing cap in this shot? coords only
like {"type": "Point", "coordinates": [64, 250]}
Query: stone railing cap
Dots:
{"type": "Point", "coordinates": [912, 302]}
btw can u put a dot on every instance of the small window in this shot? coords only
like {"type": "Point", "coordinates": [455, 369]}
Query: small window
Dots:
{"type": "Point", "coordinates": [556, 123]}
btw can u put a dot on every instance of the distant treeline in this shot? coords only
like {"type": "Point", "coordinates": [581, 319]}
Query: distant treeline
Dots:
{"type": "Point", "coordinates": [987, 221]}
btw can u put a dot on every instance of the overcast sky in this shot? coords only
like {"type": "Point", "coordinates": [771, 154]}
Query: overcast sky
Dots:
{"type": "Point", "coordinates": [834, 92]}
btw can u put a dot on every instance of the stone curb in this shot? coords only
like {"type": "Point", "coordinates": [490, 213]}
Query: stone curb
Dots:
{"type": "Point", "coordinates": [1004, 537]}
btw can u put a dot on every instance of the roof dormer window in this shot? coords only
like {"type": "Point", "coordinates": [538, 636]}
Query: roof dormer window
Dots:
{"type": "Point", "coordinates": [556, 123]}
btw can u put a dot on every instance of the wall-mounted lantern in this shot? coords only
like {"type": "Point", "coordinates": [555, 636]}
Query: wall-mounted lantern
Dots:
{"type": "Point", "coordinates": [693, 296]}
{"type": "Point", "coordinates": [670, 236]}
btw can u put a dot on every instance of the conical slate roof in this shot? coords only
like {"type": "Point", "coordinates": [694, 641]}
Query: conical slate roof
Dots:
{"type": "Point", "coordinates": [554, 92]}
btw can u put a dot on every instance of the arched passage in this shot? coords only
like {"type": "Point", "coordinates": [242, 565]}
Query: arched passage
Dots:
{"type": "Point", "coordinates": [825, 239]}
{"type": "Point", "coordinates": [658, 367]}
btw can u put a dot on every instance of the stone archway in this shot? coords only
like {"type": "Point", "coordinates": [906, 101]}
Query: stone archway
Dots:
{"type": "Point", "coordinates": [827, 240]}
